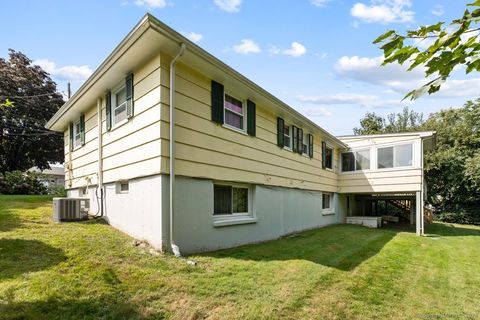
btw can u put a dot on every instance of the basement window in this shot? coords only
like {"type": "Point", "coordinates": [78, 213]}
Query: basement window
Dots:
{"type": "Point", "coordinates": [232, 204]}
{"type": "Point", "coordinates": [123, 187]}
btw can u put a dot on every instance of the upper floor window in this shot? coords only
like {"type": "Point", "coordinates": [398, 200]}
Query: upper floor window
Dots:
{"type": "Point", "coordinates": [77, 134]}
{"type": "Point", "coordinates": [395, 156]}
{"type": "Point", "coordinates": [119, 104]}
{"type": "Point", "coordinates": [287, 136]}
{"type": "Point", "coordinates": [328, 158]}
{"type": "Point", "coordinates": [234, 112]}
{"type": "Point", "coordinates": [358, 160]}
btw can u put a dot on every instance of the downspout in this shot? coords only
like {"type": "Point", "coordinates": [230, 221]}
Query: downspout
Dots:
{"type": "Point", "coordinates": [422, 194]}
{"type": "Point", "coordinates": [175, 248]}
{"type": "Point", "coordinates": [100, 154]}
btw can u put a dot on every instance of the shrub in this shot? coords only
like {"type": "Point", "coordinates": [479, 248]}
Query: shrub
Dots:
{"type": "Point", "coordinates": [57, 190]}
{"type": "Point", "coordinates": [469, 215]}
{"type": "Point", "coordinates": [17, 182]}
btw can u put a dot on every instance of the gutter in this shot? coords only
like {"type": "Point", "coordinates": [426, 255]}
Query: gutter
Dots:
{"type": "Point", "coordinates": [175, 248]}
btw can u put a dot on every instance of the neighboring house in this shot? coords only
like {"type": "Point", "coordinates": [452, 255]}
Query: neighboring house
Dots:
{"type": "Point", "coordinates": [247, 167]}
{"type": "Point", "coordinates": [55, 176]}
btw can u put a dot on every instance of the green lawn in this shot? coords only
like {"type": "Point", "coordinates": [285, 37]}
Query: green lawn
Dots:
{"type": "Point", "coordinates": [88, 270]}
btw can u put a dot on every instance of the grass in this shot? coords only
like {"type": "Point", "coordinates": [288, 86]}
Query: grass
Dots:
{"type": "Point", "coordinates": [88, 270]}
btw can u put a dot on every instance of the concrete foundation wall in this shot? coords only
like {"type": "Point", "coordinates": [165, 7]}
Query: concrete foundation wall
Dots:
{"type": "Point", "coordinates": [137, 212]}
{"type": "Point", "coordinates": [278, 210]}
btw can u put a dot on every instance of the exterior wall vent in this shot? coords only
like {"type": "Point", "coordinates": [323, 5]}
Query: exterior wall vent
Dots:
{"type": "Point", "coordinates": [70, 209]}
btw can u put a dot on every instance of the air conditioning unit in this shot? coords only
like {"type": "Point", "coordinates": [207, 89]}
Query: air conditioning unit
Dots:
{"type": "Point", "coordinates": [70, 209]}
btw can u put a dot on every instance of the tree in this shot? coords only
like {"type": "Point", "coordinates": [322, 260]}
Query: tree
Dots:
{"type": "Point", "coordinates": [405, 121]}
{"type": "Point", "coordinates": [29, 98]}
{"type": "Point", "coordinates": [452, 170]}
{"type": "Point", "coordinates": [452, 45]}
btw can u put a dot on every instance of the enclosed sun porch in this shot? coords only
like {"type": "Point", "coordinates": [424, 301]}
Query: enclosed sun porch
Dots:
{"type": "Point", "coordinates": [381, 180]}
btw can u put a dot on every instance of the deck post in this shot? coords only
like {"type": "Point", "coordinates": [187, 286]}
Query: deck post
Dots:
{"type": "Point", "coordinates": [419, 213]}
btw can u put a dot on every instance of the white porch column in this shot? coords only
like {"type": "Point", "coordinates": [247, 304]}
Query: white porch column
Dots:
{"type": "Point", "coordinates": [419, 214]}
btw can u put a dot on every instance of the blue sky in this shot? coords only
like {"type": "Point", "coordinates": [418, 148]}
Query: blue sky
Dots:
{"type": "Point", "coordinates": [316, 55]}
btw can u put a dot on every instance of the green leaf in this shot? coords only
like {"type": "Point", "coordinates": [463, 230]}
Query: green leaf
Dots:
{"type": "Point", "coordinates": [384, 36]}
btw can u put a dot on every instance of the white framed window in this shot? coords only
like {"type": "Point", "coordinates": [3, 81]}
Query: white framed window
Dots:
{"type": "Point", "coordinates": [327, 201]}
{"type": "Point", "coordinates": [77, 135]}
{"type": "Point", "coordinates": [232, 204]}
{"type": "Point", "coordinates": [287, 134]}
{"type": "Point", "coordinates": [119, 104]}
{"type": "Point", "coordinates": [395, 156]}
{"type": "Point", "coordinates": [234, 113]}
{"type": "Point", "coordinates": [123, 186]}
{"type": "Point", "coordinates": [356, 160]}
{"type": "Point", "coordinates": [305, 145]}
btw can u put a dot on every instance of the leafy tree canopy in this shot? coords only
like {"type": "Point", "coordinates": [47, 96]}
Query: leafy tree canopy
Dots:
{"type": "Point", "coordinates": [452, 44]}
{"type": "Point", "coordinates": [405, 121]}
{"type": "Point", "coordinates": [28, 99]}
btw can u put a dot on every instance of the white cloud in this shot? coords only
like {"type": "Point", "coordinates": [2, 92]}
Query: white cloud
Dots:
{"type": "Point", "coordinates": [153, 4]}
{"type": "Point", "coordinates": [229, 5]}
{"type": "Point", "coordinates": [396, 77]}
{"type": "Point", "coordinates": [383, 11]}
{"type": "Point", "coordinates": [317, 112]}
{"type": "Point", "coordinates": [67, 73]}
{"type": "Point", "coordinates": [321, 55]}
{"type": "Point", "coordinates": [319, 3]}
{"type": "Point", "coordinates": [438, 10]}
{"type": "Point", "coordinates": [193, 36]}
{"type": "Point", "coordinates": [246, 46]}
{"type": "Point", "coordinates": [365, 100]}
{"type": "Point", "coordinates": [296, 50]}
{"type": "Point", "coordinates": [369, 70]}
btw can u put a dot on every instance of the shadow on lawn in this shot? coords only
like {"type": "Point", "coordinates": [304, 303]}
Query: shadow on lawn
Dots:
{"type": "Point", "coordinates": [343, 247]}
{"type": "Point", "coordinates": [95, 308]}
{"type": "Point", "coordinates": [10, 219]}
{"type": "Point", "coordinates": [18, 256]}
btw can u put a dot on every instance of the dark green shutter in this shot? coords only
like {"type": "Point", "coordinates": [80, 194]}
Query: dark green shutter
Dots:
{"type": "Point", "coordinates": [280, 132]}
{"type": "Point", "coordinates": [71, 136]}
{"type": "Point", "coordinates": [324, 154]}
{"type": "Point", "coordinates": [300, 141]}
{"type": "Point", "coordinates": [108, 110]}
{"type": "Point", "coordinates": [294, 139]}
{"type": "Point", "coordinates": [129, 91]}
{"type": "Point", "coordinates": [82, 129]}
{"type": "Point", "coordinates": [251, 118]}
{"type": "Point", "coordinates": [310, 145]}
{"type": "Point", "coordinates": [217, 102]}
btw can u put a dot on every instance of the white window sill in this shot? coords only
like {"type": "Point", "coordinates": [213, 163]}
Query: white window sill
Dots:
{"type": "Point", "coordinates": [119, 124]}
{"type": "Point", "coordinates": [226, 125]}
{"type": "Point", "coordinates": [232, 221]}
{"type": "Point", "coordinates": [328, 213]}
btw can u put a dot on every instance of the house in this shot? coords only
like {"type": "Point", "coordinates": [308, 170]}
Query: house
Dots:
{"type": "Point", "coordinates": [55, 176]}
{"type": "Point", "coordinates": [242, 166]}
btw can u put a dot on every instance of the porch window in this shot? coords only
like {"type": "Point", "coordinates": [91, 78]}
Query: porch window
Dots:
{"type": "Point", "coordinates": [396, 156]}
{"type": "Point", "coordinates": [356, 160]}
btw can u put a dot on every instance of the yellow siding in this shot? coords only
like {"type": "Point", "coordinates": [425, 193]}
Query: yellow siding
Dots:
{"type": "Point", "coordinates": [207, 150]}
{"type": "Point", "coordinates": [131, 149]}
